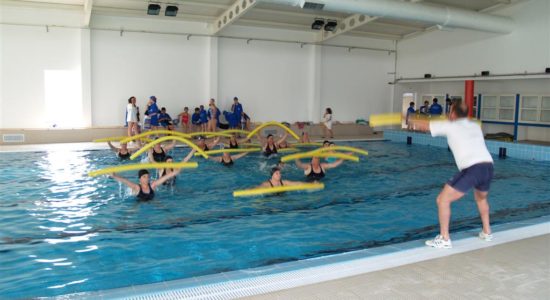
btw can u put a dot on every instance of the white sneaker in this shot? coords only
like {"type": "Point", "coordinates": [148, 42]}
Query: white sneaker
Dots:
{"type": "Point", "coordinates": [486, 237]}
{"type": "Point", "coordinates": [439, 242]}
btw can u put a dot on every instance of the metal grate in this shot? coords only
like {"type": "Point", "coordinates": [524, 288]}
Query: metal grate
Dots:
{"type": "Point", "coordinates": [313, 5]}
{"type": "Point", "coordinates": [13, 138]}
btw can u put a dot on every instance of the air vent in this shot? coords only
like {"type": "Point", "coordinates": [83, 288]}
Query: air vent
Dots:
{"type": "Point", "coordinates": [13, 138]}
{"type": "Point", "coordinates": [312, 5]}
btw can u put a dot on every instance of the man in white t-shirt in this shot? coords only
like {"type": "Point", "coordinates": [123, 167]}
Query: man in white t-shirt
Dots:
{"type": "Point", "coordinates": [466, 142]}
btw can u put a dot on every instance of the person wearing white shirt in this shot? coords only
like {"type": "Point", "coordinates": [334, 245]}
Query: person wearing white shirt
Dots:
{"type": "Point", "coordinates": [475, 165]}
{"type": "Point", "coordinates": [132, 116]}
{"type": "Point", "coordinates": [327, 123]}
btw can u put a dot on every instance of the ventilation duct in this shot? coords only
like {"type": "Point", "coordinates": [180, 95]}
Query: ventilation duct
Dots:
{"type": "Point", "coordinates": [437, 15]}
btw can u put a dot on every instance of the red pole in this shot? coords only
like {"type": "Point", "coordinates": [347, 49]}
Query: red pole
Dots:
{"type": "Point", "coordinates": [469, 96]}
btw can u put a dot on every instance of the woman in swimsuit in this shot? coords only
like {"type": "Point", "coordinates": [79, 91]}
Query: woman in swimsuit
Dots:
{"type": "Point", "coordinates": [316, 170]}
{"type": "Point", "coordinates": [226, 159]}
{"type": "Point", "coordinates": [123, 152]}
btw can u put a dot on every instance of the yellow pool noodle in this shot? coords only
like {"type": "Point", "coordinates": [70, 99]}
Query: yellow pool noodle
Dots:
{"type": "Point", "coordinates": [166, 138]}
{"type": "Point", "coordinates": [160, 131]}
{"type": "Point", "coordinates": [344, 148]}
{"type": "Point", "coordinates": [307, 144]}
{"type": "Point", "coordinates": [318, 154]}
{"type": "Point", "coordinates": [132, 167]}
{"type": "Point", "coordinates": [229, 150]}
{"type": "Point", "coordinates": [278, 189]}
{"type": "Point", "coordinates": [286, 150]}
{"type": "Point", "coordinates": [272, 123]}
{"type": "Point", "coordinates": [235, 131]}
{"type": "Point", "coordinates": [110, 139]}
{"type": "Point", "coordinates": [385, 119]}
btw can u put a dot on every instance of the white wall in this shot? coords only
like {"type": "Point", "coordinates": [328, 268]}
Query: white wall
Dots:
{"type": "Point", "coordinates": [465, 52]}
{"type": "Point", "coordinates": [355, 82]}
{"type": "Point", "coordinates": [27, 52]}
{"type": "Point", "coordinates": [169, 67]}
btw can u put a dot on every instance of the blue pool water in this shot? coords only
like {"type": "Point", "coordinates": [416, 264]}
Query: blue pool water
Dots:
{"type": "Point", "coordinates": [64, 232]}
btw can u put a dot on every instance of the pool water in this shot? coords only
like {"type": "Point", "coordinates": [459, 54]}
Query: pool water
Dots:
{"type": "Point", "coordinates": [64, 232]}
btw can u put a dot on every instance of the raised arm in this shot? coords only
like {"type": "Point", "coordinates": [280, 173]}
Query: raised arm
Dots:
{"type": "Point", "coordinates": [261, 139]}
{"type": "Point", "coordinates": [115, 149]}
{"type": "Point", "coordinates": [332, 165]}
{"type": "Point", "coordinates": [150, 156]}
{"type": "Point", "coordinates": [237, 156]}
{"type": "Point", "coordinates": [170, 146]}
{"type": "Point", "coordinates": [282, 139]}
{"type": "Point", "coordinates": [301, 165]}
{"type": "Point", "coordinates": [133, 186]}
{"type": "Point", "coordinates": [163, 179]}
{"type": "Point", "coordinates": [188, 157]}
{"type": "Point", "coordinates": [213, 143]}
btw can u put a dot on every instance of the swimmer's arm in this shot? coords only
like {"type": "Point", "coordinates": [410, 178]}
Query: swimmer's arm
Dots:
{"type": "Point", "coordinates": [288, 182]}
{"type": "Point", "coordinates": [191, 153]}
{"type": "Point", "coordinates": [264, 185]}
{"type": "Point", "coordinates": [282, 139]}
{"type": "Point", "coordinates": [214, 142]}
{"type": "Point", "coordinates": [215, 158]}
{"type": "Point", "coordinates": [133, 186]}
{"type": "Point", "coordinates": [170, 146]}
{"type": "Point", "coordinates": [301, 165]}
{"type": "Point", "coordinates": [261, 140]}
{"type": "Point", "coordinates": [115, 149]}
{"type": "Point", "coordinates": [234, 157]}
{"type": "Point", "coordinates": [163, 179]}
{"type": "Point", "coordinates": [419, 124]}
{"type": "Point", "coordinates": [333, 164]}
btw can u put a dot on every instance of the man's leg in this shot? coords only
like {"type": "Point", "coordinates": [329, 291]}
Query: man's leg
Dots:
{"type": "Point", "coordinates": [483, 207]}
{"type": "Point", "coordinates": [447, 195]}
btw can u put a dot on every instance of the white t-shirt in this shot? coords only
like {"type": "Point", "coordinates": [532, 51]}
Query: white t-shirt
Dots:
{"type": "Point", "coordinates": [465, 140]}
{"type": "Point", "coordinates": [131, 113]}
{"type": "Point", "coordinates": [327, 119]}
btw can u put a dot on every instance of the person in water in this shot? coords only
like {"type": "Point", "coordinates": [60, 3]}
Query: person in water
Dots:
{"type": "Point", "coordinates": [269, 146]}
{"type": "Point", "coordinates": [170, 159]}
{"type": "Point", "coordinates": [226, 159]}
{"type": "Point", "coordinates": [204, 146]}
{"type": "Point", "coordinates": [123, 152]}
{"type": "Point", "coordinates": [158, 152]}
{"type": "Point", "coordinates": [144, 190]}
{"type": "Point", "coordinates": [316, 170]}
{"type": "Point", "coordinates": [276, 180]}
{"type": "Point", "coordinates": [234, 142]}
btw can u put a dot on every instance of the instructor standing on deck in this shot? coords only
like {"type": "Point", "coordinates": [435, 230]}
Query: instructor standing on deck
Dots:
{"type": "Point", "coordinates": [474, 162]}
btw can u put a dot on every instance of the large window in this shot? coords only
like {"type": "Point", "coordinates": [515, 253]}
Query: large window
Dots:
{"type": "Point", "coordinates": [535, 109]}
{"type": "Point", "coordinates": [498, 108]}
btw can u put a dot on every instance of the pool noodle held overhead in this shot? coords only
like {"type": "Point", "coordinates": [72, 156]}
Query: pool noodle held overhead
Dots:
{"type": "Point", "coordinates": [278, 189]}
{"type": "Point", "coordinates": [228, 150]}
{"type": "Point", "coordinates": [319, 154]}
{"type": "Point", "coordinates": [235, 131]}
{"type": "Point", "coordinates": [119, 139]}
{"type": "Point", "coordinates": [272, 123]}
{"type": "Point", "coordinates": [344, 148]}
{"type": "Point", "coordinates": [160, 131]}
{"type": "Point", "coordinates": [166, 138]}
{"type": "Point", "coordinates": [133, 167]}
{"type": "Point", "coordinates": [307, 144]}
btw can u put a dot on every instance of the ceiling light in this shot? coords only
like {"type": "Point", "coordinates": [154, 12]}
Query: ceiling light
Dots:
{"type": "Point", "coordinates": [153, 9]}
{"type": "Point", "coordinates": [318, 24]}
{"type": "Point", "coordinates": [171, 11]}
{"type": "Point", "coordinates": [331, 25]}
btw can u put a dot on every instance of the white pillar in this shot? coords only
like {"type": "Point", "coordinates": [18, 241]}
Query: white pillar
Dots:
{"type": "Point", "coordinates": [314, 101]}
{"type": "Point", "coordinates": [212, 77]}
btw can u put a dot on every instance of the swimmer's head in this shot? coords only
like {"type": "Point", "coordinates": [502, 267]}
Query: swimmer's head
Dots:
{"type": "Point", "coordinates": [143, 174]}
{"type": "Point", "coordinates": [169, 159]}
{"type": "Point", "coordinates": [276, 173]}
{"type": "Point", "coordinates": [326, 143]}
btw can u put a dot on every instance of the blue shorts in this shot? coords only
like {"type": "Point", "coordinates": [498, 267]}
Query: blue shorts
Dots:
{"type": "Point", "coordinates": [478, 176]}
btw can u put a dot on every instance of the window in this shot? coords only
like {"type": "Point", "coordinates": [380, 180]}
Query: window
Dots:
{"type": "Point", "coordinates": [535, 109]}
{"type": "Point", "coordinates": [498, 108]}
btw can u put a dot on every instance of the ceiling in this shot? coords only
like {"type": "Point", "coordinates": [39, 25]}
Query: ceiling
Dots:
{"type": "Point", "coordinates": [272, 15]}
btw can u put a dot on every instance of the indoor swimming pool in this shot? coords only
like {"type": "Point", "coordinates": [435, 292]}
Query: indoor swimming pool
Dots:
{"type": "Point", "coordinates": [64, 232]}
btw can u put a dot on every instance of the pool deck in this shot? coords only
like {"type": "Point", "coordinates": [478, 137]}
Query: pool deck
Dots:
{"type": "Point", "coordinates": [514, 270]}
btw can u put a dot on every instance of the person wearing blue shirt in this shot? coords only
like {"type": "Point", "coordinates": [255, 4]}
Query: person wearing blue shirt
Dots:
{"type": "Point", "coordinates": [153, 112]}
{"type": "Point", "coordinates": [410, 111]}
{"type": "Point", "coordinates": [196, 119]}
{"type": "Point", "coordinates": [425, 109]}
{"type": "Point", "coordinates": [436, 109]}
{"type": "Point", "coordinates": [203, 117]}
{"type": "Point", "coordinates": [165, 119]}
{"type": "Point", "coordinates": [237, 110]}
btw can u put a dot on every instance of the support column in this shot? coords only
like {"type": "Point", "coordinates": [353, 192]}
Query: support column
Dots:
{"type": "Point", "coordinates": [212, 79]}
{"type": "Point", "coordinates": [469, 96]}
{"type": "Point", "coordinates": [86, 77]}
{"type": "Point", "coordinates": [314, 103]}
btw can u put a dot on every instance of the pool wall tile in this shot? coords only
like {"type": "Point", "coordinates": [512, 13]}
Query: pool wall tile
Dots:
{"type": "Point", "coordinates": [514, 150]}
